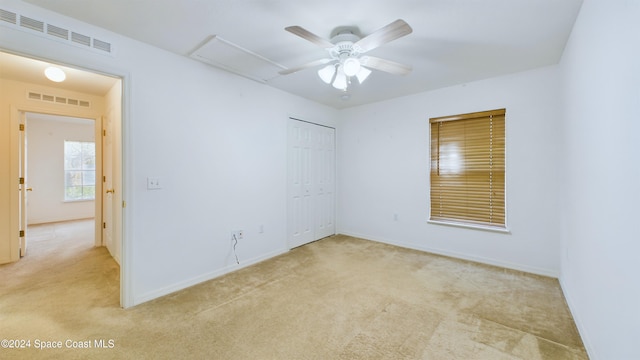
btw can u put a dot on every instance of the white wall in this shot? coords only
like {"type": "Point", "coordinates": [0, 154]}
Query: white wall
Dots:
{"type": "Point", "coordinates": [384, 170]}
{"type": "Point", "coordinates": [45, 165]}
{"type": "Point", "coordinates": [216, 141]}
{"type": "Point", "coordinates": [601, 158]}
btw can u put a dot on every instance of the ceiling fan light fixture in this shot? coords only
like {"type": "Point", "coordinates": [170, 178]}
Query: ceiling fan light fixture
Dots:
{"type": "Point", "coordinates": [55, 74]}
{"type": "Point", "coordinates": [351, 66]}
{"type": "Point", "coordinates": [345, 49]}
{"type": "Point", "coordinates": [363, 74]}
{"type": "Point", "coordinates": [341, 79]}
{"type": "Point", "coordinates": [326, 73]}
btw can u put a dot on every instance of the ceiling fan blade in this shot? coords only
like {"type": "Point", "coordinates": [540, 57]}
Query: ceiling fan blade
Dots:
{"type": "Point", "coordinates": [388, 66]}
{"type": "Point", "coordinates": [395, 30]}
{"type": "Point", "coordinates": [305, 66]}
{"type": "Point", "coordinates": [307, 35]}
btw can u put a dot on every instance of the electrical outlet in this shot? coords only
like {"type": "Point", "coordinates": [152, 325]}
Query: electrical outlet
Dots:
{"type": "Point", "coordinates": [237, 234]}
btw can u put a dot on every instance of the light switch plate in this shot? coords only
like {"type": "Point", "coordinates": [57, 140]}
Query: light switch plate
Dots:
{"type": "Point", "coordinates": [153, 183]}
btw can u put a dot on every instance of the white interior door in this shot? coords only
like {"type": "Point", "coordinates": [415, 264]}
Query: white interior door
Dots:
{"type": "Point", "coordinates": [112, 185]}
{"type": "Point", "coordinates": [311, 182]}
{"type": "Point", "coordinates": [299, 184]}
{"type": "Point", "coordinates": [325, 181]}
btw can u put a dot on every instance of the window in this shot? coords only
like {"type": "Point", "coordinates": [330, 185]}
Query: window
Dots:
{"type": "Point", "coordinates": [79, 170]}
{"type": "Point", "coordinates": [468, 169]}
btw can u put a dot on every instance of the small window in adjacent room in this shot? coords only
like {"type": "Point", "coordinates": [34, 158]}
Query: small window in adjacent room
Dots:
{"type": "Point", "coordinates": [468, 169]}
{"type": "Point", "coordinates": [79, 170]}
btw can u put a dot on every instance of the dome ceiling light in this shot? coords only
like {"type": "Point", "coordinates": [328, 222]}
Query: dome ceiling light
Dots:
{"type": "Point", "coordinates": [55, 74]}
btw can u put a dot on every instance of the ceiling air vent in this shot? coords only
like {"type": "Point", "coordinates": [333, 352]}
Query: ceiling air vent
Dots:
{"type": "Point", "coordinates": [58, 32]}
{"type": "Point", "coordinates": [60, 100]}
{"type": "Point", "coordinates": [8, 16]}
{"type": "Point", "coordinates": [80, 39]}
{"type": "Point", "coordinates": [32, 24]}
{"type": "Point", "coordinates": [102, 45]}
{"type": "Point", "coordinates": [50, 31]}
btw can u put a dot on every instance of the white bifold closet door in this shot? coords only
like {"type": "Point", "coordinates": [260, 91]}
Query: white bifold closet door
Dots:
{"type": "Point", "coordinates": [310, 182]}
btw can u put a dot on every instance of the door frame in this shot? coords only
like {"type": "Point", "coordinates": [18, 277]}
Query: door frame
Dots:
{"type": "Point", "coordinates": [22, 110]}
{"type": "Point", "coordinates": [22, 171]}
{"type": "Point", "coordinates": [126, 276]}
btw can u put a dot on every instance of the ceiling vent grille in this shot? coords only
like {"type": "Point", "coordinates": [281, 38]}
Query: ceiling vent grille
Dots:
{"type": "Point", "coordinates": [57, 31]}
{"type": "Point", "coordinates": [80, 39]}
{"type": "Point", "coordinates": [102, 45]}
{"type": "Point", "coordinates": [60, 100]}
{"type": "Point", "coordinates": [50, 31]}
{"type": "Point", "coordinates": [8, 16]}
{"type": "Point", "coordinates": [32, 24]}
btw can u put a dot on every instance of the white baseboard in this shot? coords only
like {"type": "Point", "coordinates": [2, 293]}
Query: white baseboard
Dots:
{"type": "Point", "coordinates": [463, 256]}
{"type": "Point", "coordinates": [115, 257]}
{"type": "Point", "coordinates": [577, 320]}
{"type": "Point", "coordinates": [137, 300]}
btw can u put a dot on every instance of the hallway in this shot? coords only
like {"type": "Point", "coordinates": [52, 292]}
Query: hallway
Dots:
{"type": "Point", "coordinates": [62, 277]}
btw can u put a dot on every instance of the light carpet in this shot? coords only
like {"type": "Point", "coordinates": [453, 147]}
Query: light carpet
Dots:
{"type": "Point", "coordinates": [337, 298]}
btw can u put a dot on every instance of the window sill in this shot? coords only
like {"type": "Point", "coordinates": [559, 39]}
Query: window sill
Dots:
{"type": "Point", "coordinates": [502, 230]}
{"type": "Point", "coordinates": [77, 201]}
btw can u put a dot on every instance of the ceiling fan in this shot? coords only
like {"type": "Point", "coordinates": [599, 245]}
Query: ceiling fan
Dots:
{"type": "Point", "coordinates": [346, 51]}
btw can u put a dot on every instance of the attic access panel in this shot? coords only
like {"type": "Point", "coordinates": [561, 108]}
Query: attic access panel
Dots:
{"type": "Point", "coordinates": [228, 56]}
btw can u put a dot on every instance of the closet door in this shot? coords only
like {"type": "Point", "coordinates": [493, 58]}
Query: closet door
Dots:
{"type": "Point", "coordinates": [299, 184]}
{"type": "Point", "coordinates": [324, 163]}
{"type": "Point", "coordinates": [310, 182]}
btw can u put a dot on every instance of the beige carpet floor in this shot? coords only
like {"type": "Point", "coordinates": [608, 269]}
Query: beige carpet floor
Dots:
{"type": "Point", "coordinates": [337, 298]}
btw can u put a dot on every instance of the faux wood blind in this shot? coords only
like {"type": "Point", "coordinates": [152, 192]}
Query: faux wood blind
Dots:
{"type": "Point", "coordinates": [468, 168]}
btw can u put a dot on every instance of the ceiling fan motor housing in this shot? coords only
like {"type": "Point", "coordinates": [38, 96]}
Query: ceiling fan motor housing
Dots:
{"type": "Point", "coordinates": [344, 45]}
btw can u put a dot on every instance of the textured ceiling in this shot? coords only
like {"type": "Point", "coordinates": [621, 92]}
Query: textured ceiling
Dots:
{"type": "Point", "coordinates": [453, 41]}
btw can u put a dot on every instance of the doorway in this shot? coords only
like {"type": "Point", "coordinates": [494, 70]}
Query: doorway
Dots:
{"type": "Point", "coordinates": [84, 94]}
{"type": "Point", "coordinates": [61, 171]}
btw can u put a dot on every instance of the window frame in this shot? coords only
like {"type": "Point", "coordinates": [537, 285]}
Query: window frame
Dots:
{"type": "Point", "coordinates": [459, 222]}
{"type": "Point", "coordinates": [65, 170]}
